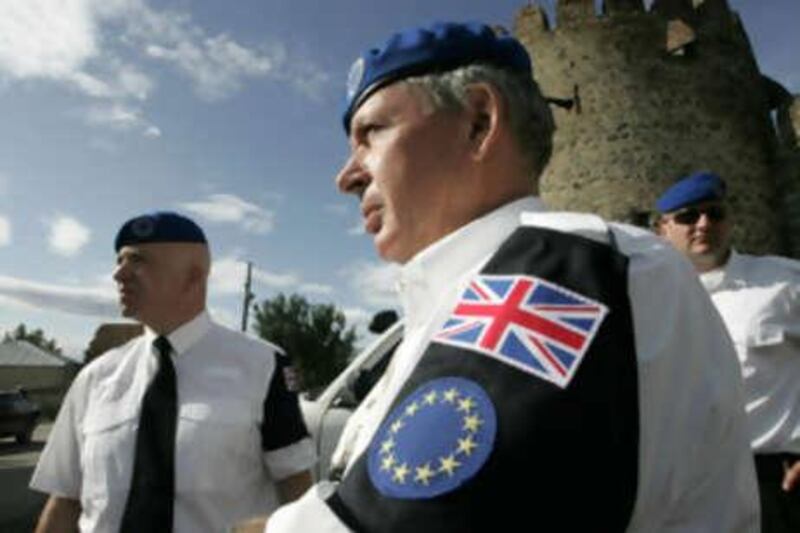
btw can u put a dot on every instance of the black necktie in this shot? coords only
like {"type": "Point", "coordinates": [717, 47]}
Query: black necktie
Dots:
{"type": "Point", "coordinates": [152, 493]}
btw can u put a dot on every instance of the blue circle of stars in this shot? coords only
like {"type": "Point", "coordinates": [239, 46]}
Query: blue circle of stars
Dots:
{"type": "Point", "coordinates": [434, 441]}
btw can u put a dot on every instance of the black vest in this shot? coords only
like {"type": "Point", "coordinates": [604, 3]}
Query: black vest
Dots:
{"type": "Point", "coordinates": [560, 459]}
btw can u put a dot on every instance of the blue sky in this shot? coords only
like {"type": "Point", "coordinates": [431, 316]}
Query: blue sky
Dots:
{"type": "Point", "coordinates": [227, 111]}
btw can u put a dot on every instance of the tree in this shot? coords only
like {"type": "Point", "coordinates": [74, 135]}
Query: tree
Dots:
{"type": "Point", "coordinates": [35, 337]}
{"type": "Point", "coordinates": [314, 335]}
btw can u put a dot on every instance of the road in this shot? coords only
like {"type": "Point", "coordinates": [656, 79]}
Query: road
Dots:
{"type": "Point", "coordinates": [19, 506]}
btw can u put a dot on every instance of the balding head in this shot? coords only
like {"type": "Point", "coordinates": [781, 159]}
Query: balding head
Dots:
{"type": "Point", "coordinates": [162, 284]}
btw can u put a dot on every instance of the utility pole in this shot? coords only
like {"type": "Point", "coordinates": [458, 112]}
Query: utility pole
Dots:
{"type": "Point", "coordinates": [248, 296]}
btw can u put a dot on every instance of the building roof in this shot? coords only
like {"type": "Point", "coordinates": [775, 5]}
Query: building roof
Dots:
{"type": "Point", "coordinates": [23, 353]}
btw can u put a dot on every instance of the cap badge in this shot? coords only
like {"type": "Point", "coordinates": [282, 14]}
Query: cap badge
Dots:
{"type": "Point", "coordinates": [354, 77]}
{"type": "Point", "coordinates": [143, 227]}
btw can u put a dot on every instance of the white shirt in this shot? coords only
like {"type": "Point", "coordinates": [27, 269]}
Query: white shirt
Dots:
{"type": "Point", "coordinates": [695, 469]}
{"type": "Point", "coordinates": [759, 300]}
{"type": "Point", "coordinates": [221, 473]}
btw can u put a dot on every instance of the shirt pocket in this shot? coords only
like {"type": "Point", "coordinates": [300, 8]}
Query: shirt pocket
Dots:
{"type": "Point", "coordinates": [771, 325]}
{"type": "Point", "coordinates": [109, 433]}
{"type": "Point", "coordinates": [218, 445]}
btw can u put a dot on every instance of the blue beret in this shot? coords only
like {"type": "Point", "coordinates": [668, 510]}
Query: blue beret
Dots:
{"type": "Point", "coordinates": [440, 47]}
{"type": "Point", "coordinates": [162, 226]}
{"type": "Point", "coordinates": [699, 187]}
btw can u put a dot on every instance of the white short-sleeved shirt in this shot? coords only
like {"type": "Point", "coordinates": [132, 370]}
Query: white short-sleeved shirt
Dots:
{"type": "Point", "coordinates": [222, 473]}
{"type": "Point", "coordinates": [759, 300]}
{"type": "Point", "coordinates": [696, 472]}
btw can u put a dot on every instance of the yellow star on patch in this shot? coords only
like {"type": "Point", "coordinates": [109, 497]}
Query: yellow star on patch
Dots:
{"type": "Point", "coordinates": [430, 398]}
{"type": "Point", "coordinates": [472, 423]}
{"type": "Point", "coordinates": [467, 445]}
{"type": "Point", "coordinates": [400, 473]}
{"type": "Point", "coordinates": [397, 426]}
{"type": "Point", "coordinates": [424, 474]}
{"type": "Point", "coordinates": [450, 395]}
{"type": "Point", "coordinates": [448, 464]}
{"type": "Point", "coordinates": [466, 404]}
{"type": "Point", "coordinates": [387, 463]}
{"type": "Point", "coordinates": [387, 445]}
{"type": "Point", "coordinates": [412, 409]}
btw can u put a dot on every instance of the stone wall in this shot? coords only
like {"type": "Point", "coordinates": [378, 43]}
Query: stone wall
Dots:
{"type": "Point", "coordinates": [658, 95]}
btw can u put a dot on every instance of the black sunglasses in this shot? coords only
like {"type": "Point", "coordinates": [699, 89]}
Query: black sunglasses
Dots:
{"type": "Point", "coordinates": [691, 215]}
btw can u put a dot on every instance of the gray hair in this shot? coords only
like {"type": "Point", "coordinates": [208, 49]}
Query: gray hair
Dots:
{"type": "Point", "coordinates": [529, 114]}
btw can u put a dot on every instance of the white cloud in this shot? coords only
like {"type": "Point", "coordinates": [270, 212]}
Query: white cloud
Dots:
{"type": "Point", "coordinates": [101, 48]}
{"type": "Point", "coordinates": [46, 38]}
{"type": "Point", "coordinates": [275, 281]}
{"type": "Point", "coordinates": [228, 276]}
{"type": "Point", "coordinates": [316, 288]}
{"type": "Point", "coordinates": [120, 116]}
{"type": "Point", "coordinates": [357, 316]}
{"type": "Point", "coordinates": [91, 301]}
{"type": "Point", "coordinates": [337, 209]}
{"type": "Point", "coordinates": [68, 236]}
{"type": "Point", "coordinates": [229, 208]}
{"type": "Point", "coordinates": [5, 231]}
{"type": "Point", "coordinates": [375, 283]}
{"type": "Point", "coordinates": [217, 65]}
{"type": "Point", "coordinates": [357, 229]}
{"type": "Point", "coordinates": [115, 115]}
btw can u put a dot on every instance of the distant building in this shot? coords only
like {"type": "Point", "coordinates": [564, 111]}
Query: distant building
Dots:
{"type": "Point", "coordinates": [657, 94]}
{"type": "Point", "coordinates": [45, 375]}
{"type": "Point", "coordinates": [109, 336]}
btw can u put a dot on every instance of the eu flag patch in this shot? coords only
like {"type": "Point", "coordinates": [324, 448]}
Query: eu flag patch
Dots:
{"type": "Point", "coordinates": [532, 324]}
{"type": "Point", "coordinates": [434, 441]}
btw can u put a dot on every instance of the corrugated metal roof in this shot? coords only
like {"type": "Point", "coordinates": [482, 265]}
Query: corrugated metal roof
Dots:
{"type": "Point", "coordinates": [22, 353]}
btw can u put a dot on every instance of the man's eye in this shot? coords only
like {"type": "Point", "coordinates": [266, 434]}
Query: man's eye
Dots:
{"type": "Point", "coordinates": [369, 130]}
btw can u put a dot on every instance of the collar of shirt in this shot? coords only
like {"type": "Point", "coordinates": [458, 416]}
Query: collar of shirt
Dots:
{"type": "Point", "coordinates": [426, 277]}
{"type": "Point", "coordinates": [186, 335]}
{"type": "Point", "coordinates": [724, 277]}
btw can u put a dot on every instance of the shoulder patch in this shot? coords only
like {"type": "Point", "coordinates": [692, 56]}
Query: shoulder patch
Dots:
{"type": "Point", "coordinates": [589, 226]}
{"type": "Point", "coordinates": [527, 322]}
{"type": "Point", "coordinates": [434, 441]}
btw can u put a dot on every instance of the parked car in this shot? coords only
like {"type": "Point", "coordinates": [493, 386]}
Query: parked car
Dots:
{"type": "Point", "coordinates": [18, 415]}
{"type": "Point", "coordinates": [327, 414]}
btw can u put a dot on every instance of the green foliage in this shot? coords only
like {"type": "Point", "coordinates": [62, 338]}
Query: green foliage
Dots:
{"type": "Point", "coordinates": [314, 335]}
{"type": "Point", "coordinates": [35, 337]}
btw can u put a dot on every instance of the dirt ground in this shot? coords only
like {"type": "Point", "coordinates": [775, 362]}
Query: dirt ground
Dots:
{"type": "Point", "coordinates": [20, 506]}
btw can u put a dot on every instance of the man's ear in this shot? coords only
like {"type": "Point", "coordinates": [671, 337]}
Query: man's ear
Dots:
{"type": "Point", "coordinates": [485, 111]}
{"type": "Point", "coordinates": [658, 226]}
{"type": "Point", "coordinates": [195, 275]}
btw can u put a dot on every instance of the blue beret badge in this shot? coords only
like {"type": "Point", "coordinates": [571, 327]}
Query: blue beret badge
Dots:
{"type": "Point", "coordinates": [354, 77]}
{"type": "Point", "coordinates": [143, 227]}
{"type": "Point", "coordinates": [433, 442]}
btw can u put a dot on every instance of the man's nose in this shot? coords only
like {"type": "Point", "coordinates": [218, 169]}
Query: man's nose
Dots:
{"type": "Point", "coordinates": [353, 177]}
{"type": "Point", "coordinates": [120, 273]}
{"type": "Point", "coordinates": [703, 221]}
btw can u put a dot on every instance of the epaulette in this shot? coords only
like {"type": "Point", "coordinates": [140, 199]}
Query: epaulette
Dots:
{"type": "Point", "coordinates": [589, 226]}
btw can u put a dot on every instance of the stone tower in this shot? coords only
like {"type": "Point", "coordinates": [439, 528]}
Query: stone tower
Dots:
{"type": "Point", "coordinates": [656, 95]}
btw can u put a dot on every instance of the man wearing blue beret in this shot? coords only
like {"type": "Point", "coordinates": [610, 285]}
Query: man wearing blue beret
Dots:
{"type": "Point", "coordinates": [548, 377]}
{"type": "Point", "coordinates": [189, 427]}
{"type": "Point", "coordinates": [759, 300]}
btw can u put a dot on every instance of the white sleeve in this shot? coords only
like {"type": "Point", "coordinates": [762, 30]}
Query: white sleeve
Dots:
{"type": "Point", "coordinates": [308, 513]}
{"type": "Point", "coordinates": [696, 469]}
{"type": "Point", "coordinates": [289, 460]}
{"type": "Point", "coordinates": [58, 471]}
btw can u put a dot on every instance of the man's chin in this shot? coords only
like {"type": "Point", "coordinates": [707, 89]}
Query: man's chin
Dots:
{"type": "Point", "coordinates": [127, 312]}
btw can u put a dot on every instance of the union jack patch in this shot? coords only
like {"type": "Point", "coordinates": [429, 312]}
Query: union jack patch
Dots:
{"type": "Point", "coordinates": [529, 323]}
